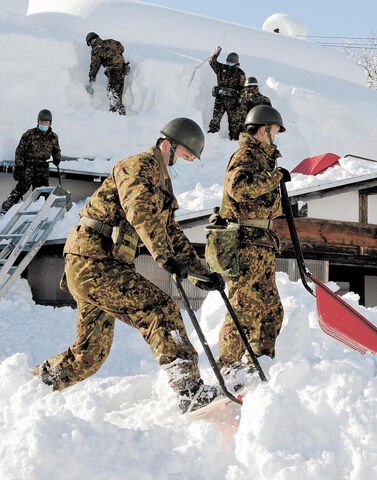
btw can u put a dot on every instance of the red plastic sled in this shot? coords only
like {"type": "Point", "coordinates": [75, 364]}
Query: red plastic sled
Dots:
{"type": "Point", "coordinates": [317, 164]}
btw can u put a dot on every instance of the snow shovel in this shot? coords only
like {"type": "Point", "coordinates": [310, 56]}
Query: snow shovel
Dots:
{"type": "Point", "coordinates": [62, 191]}
{"type": "Point", "coordinates": [203, 340]}
{"type": "Point", "coordinates": [335, 316]}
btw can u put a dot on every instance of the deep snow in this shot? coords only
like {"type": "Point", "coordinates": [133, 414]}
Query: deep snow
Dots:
{"type": "Point", "coordinates": [315, 418]}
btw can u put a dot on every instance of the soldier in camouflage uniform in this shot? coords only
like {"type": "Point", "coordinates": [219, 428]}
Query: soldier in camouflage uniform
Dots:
{"type": "Point", "coordinates": [230, 79]}
{"type": "Point", "coordinates": [251, 199]}
{"type": "Point", "coordinates": [36, 146]}
{"type": "Point", "coordinates": [134, 206]}
{"type": "Point", "coordinates": [109, 54]}
{"type": "Point", "coordinates": [250, 98]}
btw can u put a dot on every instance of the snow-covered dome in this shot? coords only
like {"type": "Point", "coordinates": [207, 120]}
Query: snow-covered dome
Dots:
{"type": "Point", "coordinates": [286, 25]}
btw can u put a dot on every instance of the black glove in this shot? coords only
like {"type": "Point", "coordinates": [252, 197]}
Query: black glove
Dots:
{"type": "Point", "coordinates": [286, 174]}
{"type": "Point", "coordinates": [216, 282]}
{"type": "Point", "coordinates": [178, 268]}
{"type": "Point", "coordinates": [56, 162]}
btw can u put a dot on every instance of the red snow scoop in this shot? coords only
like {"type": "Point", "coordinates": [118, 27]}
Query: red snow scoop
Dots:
{"type": "Point", "coordinates": [335, 316]}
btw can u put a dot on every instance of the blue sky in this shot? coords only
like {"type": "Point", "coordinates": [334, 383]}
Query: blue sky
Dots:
{"type": "Point", "coordinates": [331, 17]}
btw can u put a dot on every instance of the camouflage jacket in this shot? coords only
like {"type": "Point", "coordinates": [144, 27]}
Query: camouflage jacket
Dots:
{"type": "Point", "coordinates": [136, 195]}
{"type": "Point", "coordinates": [37, 147]}
{"type": "Point", "coordinates": [230, 77]}
{"type": "Point", "coordinates": [251, 187]}
{"type": "Point", "coordinates": [105, 53]}
{"type": "Point", "coordinates": [249, 101]}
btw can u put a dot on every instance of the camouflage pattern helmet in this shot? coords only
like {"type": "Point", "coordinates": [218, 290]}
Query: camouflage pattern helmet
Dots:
{"type": "Point", "coordinates": [251, 82]}
{"type": "Point", "coordinates": [264, 115]}
{"type": "Point", "coordinates": [233, 58]}
{"type": "Point", "coordinates": [187, 133]}
{"type": "Point", "coordinates": [45, 116]}
{"type": "Point", "coordinates": [90, 37]}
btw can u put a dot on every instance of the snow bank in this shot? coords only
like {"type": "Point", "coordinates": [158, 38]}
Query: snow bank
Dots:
{"type": "Point", "coordinates": [314, 418]}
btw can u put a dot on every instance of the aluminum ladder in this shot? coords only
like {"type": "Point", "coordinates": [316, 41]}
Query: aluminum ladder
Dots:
{"type": "Point", "coordinates": [27, 230]}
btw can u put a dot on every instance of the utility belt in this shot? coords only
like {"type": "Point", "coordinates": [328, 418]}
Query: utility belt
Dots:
{"type": "Point", "coordinates": [224, 91]}
{"type": "Point", "coordinates": [257, 223]}
{"type": "Point", "coordinates": [124, 238]}
{"type": "Point", "coordinates": [99, 227]}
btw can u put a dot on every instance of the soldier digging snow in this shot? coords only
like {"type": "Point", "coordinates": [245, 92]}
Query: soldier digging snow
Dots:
{"type": "Point", "coordinates": [134, 206]}
{"type": "Point", "coordinates": [251, 199]}
{"type": "Point", "coordinates": [230, 83]}
{"type": "Point", "coordinates": [250, 98]}
{"type": "Point", "coordinates": [36, 146]}
{"type": "Point", "coordinates": [109, 54]}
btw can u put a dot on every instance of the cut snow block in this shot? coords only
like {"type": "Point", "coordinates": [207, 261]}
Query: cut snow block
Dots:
{"type": "Point", "coordinates": [317, 164]}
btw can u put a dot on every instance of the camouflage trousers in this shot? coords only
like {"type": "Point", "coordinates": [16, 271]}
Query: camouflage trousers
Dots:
{"type": "Point", "coordinates": [230, 106]}
{"type": "Point", "coordinates": [105, 290]}
{"type": "Point", "coordinates": [32, 176]}
{"type": "Point", "coordinates": [256, 301]}
{"type": "Point", "coordinates": [115, 88]}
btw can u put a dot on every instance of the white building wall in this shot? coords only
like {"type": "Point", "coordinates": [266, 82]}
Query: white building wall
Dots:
{"type": "Point", "coordinates": [372, 209]}
{"type": "Point", "coordinates": [370, 291]}
{"type": "Point", "coordinates": [343, 207]}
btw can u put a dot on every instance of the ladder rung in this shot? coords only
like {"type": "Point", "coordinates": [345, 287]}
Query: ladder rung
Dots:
{"type": "Point", "coordinates": [30, 212]}
{"type": "Point", "coordinates": [11, 270]}
{"type": "Point", "coordinates": [9, 235]}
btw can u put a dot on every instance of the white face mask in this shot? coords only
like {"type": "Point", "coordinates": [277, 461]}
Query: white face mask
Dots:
{"type": "Point", "coordinates": [276, 140]}
{"type": "Point", "coordinates": [179, 169]}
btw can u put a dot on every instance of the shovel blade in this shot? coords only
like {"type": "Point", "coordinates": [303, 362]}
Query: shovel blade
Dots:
{"type": "Point", "coordinates": [339, 320]}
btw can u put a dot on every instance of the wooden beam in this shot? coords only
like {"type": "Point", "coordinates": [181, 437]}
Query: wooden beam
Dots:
{"type": "Point", "coordinates": [363, 208]}
{"type": "Point", "coordinates": [326, 239]}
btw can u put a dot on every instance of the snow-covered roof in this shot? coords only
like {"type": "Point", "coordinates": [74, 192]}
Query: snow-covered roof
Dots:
{"type": "Point", "coordinates": [334, 188]}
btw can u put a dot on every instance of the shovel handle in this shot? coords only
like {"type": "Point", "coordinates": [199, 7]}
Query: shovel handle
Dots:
{"type": "Point", "coordinates": [203, 341]}
{"type": "Point", "coordinates": [287, 208]}
{"type": "Point", "coordinates": [233, 314]}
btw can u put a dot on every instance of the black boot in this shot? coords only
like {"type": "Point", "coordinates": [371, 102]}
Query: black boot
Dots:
{"type": "Point", "coordinates": [198, 397]}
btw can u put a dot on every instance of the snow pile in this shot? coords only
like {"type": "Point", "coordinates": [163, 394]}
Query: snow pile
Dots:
{"type": "Point", "coordinates": [286, 25]}
{"type": "Point", "coordinates": [314, 419]}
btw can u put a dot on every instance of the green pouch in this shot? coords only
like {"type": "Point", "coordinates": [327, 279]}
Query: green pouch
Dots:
{"type": "Point", "coordinates": [222, 249]}
{"type": "Point", "coordinates": [125, 240]}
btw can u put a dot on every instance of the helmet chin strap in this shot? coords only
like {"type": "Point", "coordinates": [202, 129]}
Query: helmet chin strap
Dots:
{"type": "Point", "coordinates": [173, 146]}
{"type": "Point", "coordinates": [268, 130]}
